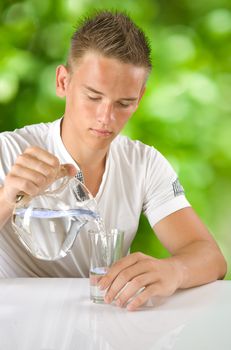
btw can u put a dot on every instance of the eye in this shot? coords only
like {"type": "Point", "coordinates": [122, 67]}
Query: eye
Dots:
{"type": "Point", "coordinates": [94, 98]}
{"type": "Point", "coordinates": [124, 105]}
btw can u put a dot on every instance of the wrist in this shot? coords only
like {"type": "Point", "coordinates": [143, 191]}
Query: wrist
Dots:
{"type": "Point", "coordinates": [6, 201]}
{"type": "Point", "coordinates": [7, 208]}
{"type": "Point", "coordinates": [180, 271]}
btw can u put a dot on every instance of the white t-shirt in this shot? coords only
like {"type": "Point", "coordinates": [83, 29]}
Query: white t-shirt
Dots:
{"type": "Point", "coordinates": [137, 178]}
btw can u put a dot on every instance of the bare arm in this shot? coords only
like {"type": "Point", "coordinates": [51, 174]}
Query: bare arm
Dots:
{"type": "Point", "coordinates": [6, 209]}
{"type": "Point", "coordinates": [196, 259]}
{"type": "Point", "coordinates": [193, 249]}
{"type": "Point", "coordinates": [32, 173]}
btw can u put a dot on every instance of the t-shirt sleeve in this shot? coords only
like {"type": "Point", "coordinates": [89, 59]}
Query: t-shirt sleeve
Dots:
{"type": "Point", "coordinates": [163, 191]}
{"type": "Point", "coordinates": [9, 151]}
{"type": "Point", "coordinates": [3, 162]}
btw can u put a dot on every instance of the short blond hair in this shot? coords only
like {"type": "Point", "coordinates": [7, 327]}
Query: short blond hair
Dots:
{"type": "Point", "coordinates": [112, 34]}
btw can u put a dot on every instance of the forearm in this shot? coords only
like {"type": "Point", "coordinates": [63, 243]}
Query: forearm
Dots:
{"type": "Point", "coordinates": [6, 209]}
{"type": "Point", "coordinates": [199, 263]}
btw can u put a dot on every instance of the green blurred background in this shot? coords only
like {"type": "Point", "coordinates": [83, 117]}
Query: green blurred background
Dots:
{"type": "Point", "coordinates": [185, 112]}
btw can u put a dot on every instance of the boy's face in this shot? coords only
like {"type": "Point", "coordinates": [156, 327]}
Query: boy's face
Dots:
{"type": "Point", "coordinates": [101, 95]}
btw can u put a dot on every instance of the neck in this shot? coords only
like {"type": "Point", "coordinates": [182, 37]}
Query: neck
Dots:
{"type": "Point", "coordinates": [85, 156]}
{"type": "Point", "coordinates": [88, 159]}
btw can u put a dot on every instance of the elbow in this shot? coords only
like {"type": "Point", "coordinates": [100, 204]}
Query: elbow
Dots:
{"type": "Point", "coordinates": [220, 263]}
{"type": "Point", "coordinates": [223, 266]}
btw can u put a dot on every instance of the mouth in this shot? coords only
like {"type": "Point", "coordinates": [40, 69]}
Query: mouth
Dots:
{"type": "Point", "coordinates": [101, 132]}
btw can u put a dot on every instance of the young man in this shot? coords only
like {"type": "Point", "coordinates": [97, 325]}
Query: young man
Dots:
{"type": "Point", "coordinates": [103, 83]}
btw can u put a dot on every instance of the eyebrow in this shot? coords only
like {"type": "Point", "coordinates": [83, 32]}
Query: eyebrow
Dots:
{"type": "Point", "coordinates": [100, 93]}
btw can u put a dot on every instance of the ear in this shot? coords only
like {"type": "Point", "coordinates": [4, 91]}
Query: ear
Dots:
{"type": "Point", "coordinates": [141, 93]}
{"type": "Point", "coordinates": [62, 76]}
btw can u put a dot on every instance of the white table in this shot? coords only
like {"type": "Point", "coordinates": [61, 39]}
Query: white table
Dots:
{"type": "Point", "coordinates": [56, 314]}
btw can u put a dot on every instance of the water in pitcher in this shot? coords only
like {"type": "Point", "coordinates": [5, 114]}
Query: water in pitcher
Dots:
{"type": "Point", "coordinates": [48, 224]}
{"type": "Point", "coordinates": [50, 234]}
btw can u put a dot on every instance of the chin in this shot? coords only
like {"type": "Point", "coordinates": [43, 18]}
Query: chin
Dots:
{"type": "Point", "coordinates": [100, 144]}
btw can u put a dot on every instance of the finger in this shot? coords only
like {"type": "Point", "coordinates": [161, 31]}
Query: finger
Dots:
{"type": "Point", "coordinates": [66, 170]}
{"type": "Point", "coordinates": [129, 274]}
{"type": "Point", "coordinates": [142, 297]}
{"type": "Point", "coordinates": [33, 163]}
{"type": "Point", "coordinates": [71, 169]}
{"type": "Point", "coordinates": [15, 185]}
{"type": "Point", "coordinates": [28, 174]}
{"type": "Point", "coordinates": [43, 155]}
{"type": "Point", "coordinates": [135, 286]}
{"type": "Point", "coordinates": [119, 266]}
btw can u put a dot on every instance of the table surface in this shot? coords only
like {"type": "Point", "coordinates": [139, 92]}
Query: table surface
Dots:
{"type": "Point", "coordinates": [56, 314]}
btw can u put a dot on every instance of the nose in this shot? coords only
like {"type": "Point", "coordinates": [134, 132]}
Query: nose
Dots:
{"type": "Point", "coordinates": [105, 114]}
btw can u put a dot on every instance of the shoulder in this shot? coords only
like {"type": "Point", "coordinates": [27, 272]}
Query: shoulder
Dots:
{"type": "Point", "coordinates": [141, 158]}
{"type": "Point", "coordinates": [133, 150]}
{"type": "Point", "coordinates": [134, 153]}
{"type": "Point", "coordinates": [34, 134]}
{"type": "Point", "coordinates": [14, 143]}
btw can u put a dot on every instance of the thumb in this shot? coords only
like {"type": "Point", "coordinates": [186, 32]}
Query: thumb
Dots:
{"type": "Point", "coordinates": [66, 170]}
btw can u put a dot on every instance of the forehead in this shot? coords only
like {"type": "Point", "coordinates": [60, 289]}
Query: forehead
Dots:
{"type": "Point", "coordinates": [94, 68]}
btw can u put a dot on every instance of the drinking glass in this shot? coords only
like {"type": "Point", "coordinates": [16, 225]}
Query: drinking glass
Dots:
{"type": "Point", "coordinates": [106, 247]}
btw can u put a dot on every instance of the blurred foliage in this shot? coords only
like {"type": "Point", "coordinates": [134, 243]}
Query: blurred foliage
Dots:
{"type": "Point", "coordinates": [185, 112]}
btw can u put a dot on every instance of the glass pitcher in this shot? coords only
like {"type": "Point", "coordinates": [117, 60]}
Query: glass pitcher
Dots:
{"type": "Point", "coordinates": [47, 225]}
